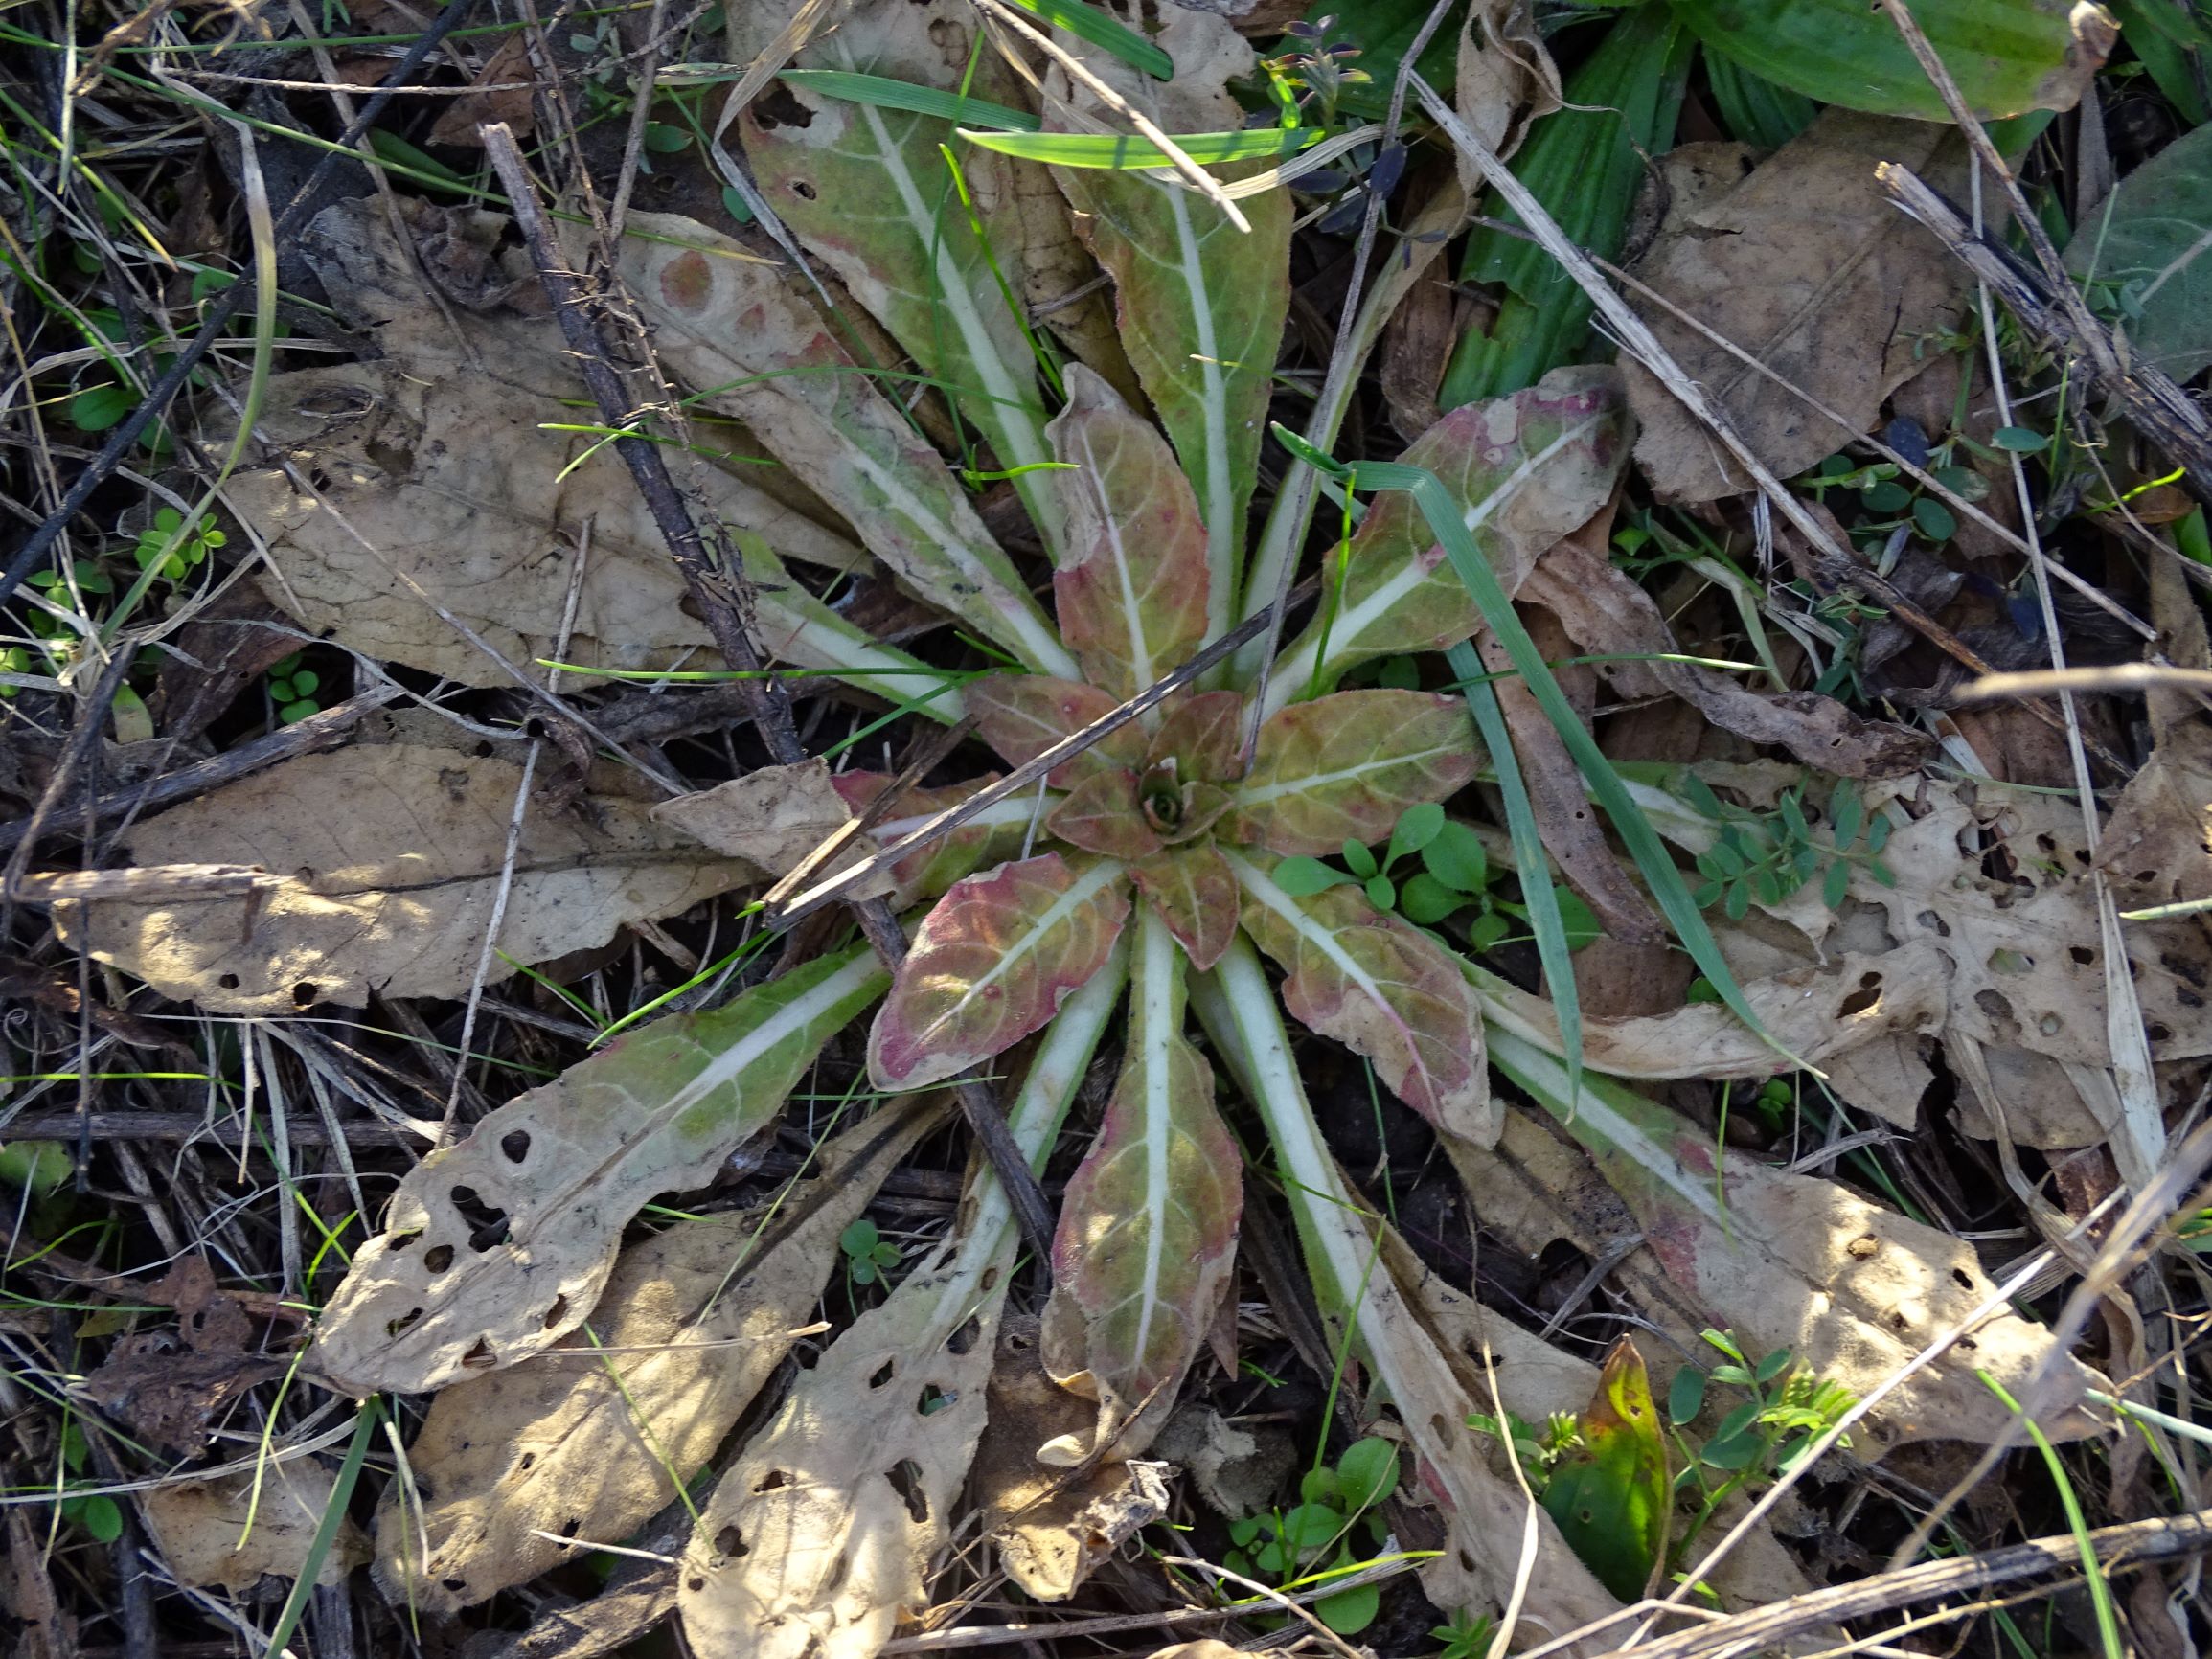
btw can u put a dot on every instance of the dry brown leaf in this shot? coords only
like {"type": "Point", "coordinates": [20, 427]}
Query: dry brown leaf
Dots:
{"type": "Point", "coordinates": [391, 858]}
{"type": "Point", "coordinates": [1808, 268]}
{"type": "Point", "coordinates": [1607, 612]}
{"type": "Point", "coordinates": [1573, 833]}
{"type": "Point", "coordinates": [232, 1531]}
{"type": "Point", "coordinates": [589, 1438]}
{"type": "Point", "coordinates": [434, 457]}
{"type": "Point", "coordinates": [1052, 1526]}
{"type": "Point", "coordinates": [1239, 1469]}
{"type": "Point", "coordinates": [500, 92]}
{"type": "Point", "coordinates": [172, 1386]}
{"type": "Point", "coordinates": [1504, 80]}
{"type": "Point", "coordinates": [773, 817]}
{"type": "Point", "coordinates": [496, 1248]}
{"type": "Point", "coordinates": [1534, 1379]}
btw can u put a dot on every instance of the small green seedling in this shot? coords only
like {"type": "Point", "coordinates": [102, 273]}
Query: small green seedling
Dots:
{"type": "Point", "coordinates": [869, 1257]}
{"type": "Point", "coordinates": [1454, 875]}
{"type": "Point", "coordinates": [1466, 1636]}
{"type": "Point", "coordinates": [292, 689]}
{"type": "Point", "coordinates": [1315, 1536]}
{"type": "Point", "coordinates": [1766, 856]}
{"type": "Point", "coordinates": [1787, 1409]}
{"type": "Point", "coordinates": [176, 550]}
{"type": "Point", "coordinates": [95, 1511]}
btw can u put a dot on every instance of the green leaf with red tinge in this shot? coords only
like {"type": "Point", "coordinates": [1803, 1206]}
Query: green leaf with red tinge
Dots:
{"type": "Point", "coordinates": [1022, 716]}
{"type": "Point", "coordinates": [723, 321]}
{"type": "Point", "coordinates": [1612, 1497]}
{"type": "Point", "coordinates": [1195, 892]}
{"type": "Point", "coordinates": [1525, 470]}
{"type": "Point", "coordinates": [1203, 732]}
{"type": "Point", "coordinates": [1148, 1228]}
{"type": "Point", "coordinates": [1201, 305]}
{"type": "Point", "coordinates": [1100, 815]}
{"type": "Point", "coordinates": [867, 189]}
{"type": "Point", "coordinates": [1345, 767]}
{"type": "Point", "coordinates": [992, 963]}
{"type": "Point", "coordinates": [1131, 594]}
{"type": "Point", "coordinates": [1381, 987]}
{"type": "Point", "coordinates": [990, 838]}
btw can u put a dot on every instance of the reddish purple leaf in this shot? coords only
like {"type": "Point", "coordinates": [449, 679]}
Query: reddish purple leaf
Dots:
{"type": "Point", "coordinates": [1132, 597]}
{"type": "Point", "coordinates": [1021, 715]}
{"type": "Point", "coordinates": [1101, 815]}
{"type": "Point", "coordinates": [983, 841]}
{"type": "Point", "coordinates": [992, 963]}
{"type": "Point", "coordinates": [1204, 732]}
{"type": "Point", "coordinates": [1148, 1229]}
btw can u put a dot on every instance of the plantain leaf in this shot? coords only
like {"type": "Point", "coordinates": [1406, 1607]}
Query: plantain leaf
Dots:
{"type": "Point", "coordinates": [1522, 471]}
{"type": "Point", "coordinates": [1131, 594]}
{"type": "Point", "coordinates": [2007, 55]}
{"type": "Point", "coordinates": [1381, 987]}
{"type": "Point", "coordinates": [794, 627]}
{"type": "Point", "coordinates": [1022, 716]}
{"type": "Point", "coordinates": [1347, 766]}
{"type": "Point", "coordinates": [1101, 815]}
{"type": "Point", "coordinates": [868, 189]}
{"type": "Point", "coordinates": [1148, 1229]}
{"type": "Point", "coordinates": [497, 1247]}
{"type": "Point", "coordinates": [1612, 1497]}
{"type": "Point", "coordinates": [992, 963]}
{"type": "Point", "coordinates": [724, 321]}
{"type": "Point", "coordinates": [2152, 235]}
{"type": "Point", "coordinates": [1195, 892]}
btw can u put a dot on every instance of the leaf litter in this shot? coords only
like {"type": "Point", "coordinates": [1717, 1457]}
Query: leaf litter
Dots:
{"type": "Point", "coordinates": [1926, 938]}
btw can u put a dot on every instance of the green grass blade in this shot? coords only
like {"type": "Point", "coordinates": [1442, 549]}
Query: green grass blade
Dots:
{"type": "Point", "coordinates": [1123, 152]}
{"type": "Point", "coordinates": [1086, 23]}
{"type": "Point", "coordinates": [2092, 1569]}
{"type": "Point", "coordinates": [1652, 859]}
{"type": "Point", "coordinates": [326, 1530]}
{"type": "Point", "coordinates": [1537, 894]}
{"type": "Point", "coordinates": [885, 93]}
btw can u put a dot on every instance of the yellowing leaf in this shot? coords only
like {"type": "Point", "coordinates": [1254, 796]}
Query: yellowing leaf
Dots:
{"type": "Point", "coordinates": [728, 326]}
{"type": "Point", "coordinates": [495, 1249]}
{"type": "Point", "coordinates": [1382, 988]}
{"type": "Point", "coordinates": [1612, 1497]}
{"type": "Point", "coordinates": [1345, 767]}
{"type": "Point", "coordinates": [1131, 595]}
{"type": "Point", "coordinates": [992, 963]}
{"type": "Point", "coordinates": [1148, 1228]}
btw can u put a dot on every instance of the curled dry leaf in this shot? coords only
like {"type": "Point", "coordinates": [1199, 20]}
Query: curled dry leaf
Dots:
{"type": "Point", "coordinates": [1791, 1262]}
{"type": "Point", "coordinates": [231, 1531]}
{"type": "Point", "coordinates": [1808, 268]}
{"type": "Point", "coordinates": [753, 349]}
{"type": "Point", "coordinates": [433, 463]}
{"type": "Point", "coordinates": [390, 859]}
{"type": "Point", "coordinates": [497, 1247]}
{"type": "Point", "coordinates": [591, 1439]}
{"type": "Point", "coordinates": [1052, 1526]}
{"type": "Point", "coordinates": [1607, 613]}
{"type": "Point", "coordinates": [1503, 81]}
{"type": "Point", "coordinates": [774, 816]}
{"type": "Point", "coordinates": [817, 1540]}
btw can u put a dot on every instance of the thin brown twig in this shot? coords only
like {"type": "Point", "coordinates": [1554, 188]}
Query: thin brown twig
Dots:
{"type": "Point", "coordinates": [2115, 678]}
{"type": "Point", "coordinates": [1767, 1629]}
{"type": "Point", "coordinates": [718, 588]}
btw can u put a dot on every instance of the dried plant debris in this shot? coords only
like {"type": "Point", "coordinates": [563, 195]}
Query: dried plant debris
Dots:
{"type": "Point", "coordinates": [452, 473]}
{"type": "Point", "coordinates": [592, 1437]}
{"type": "Point", "coordinates": [391, 859]}
{"type": "Point", "coordinates": [233, 1531]}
